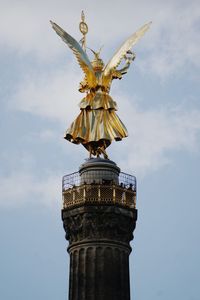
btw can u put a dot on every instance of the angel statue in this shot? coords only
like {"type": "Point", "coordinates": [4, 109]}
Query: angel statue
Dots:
{"type": "Point", "coordinates": [98, 125]}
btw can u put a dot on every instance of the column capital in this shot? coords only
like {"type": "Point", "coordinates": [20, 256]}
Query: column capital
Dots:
{"type": "Point", "coordinates": [108, 223]}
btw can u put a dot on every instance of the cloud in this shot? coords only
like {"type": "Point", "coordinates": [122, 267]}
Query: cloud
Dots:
{"type": "Point", "coordinates": [171, 44]}
{"type": "Point", "coordinates": [51, 94]}
{"type": "Point", "coordinates": [20, 188]}
{"type": "Point", "coordinates": [174, 39]}
{"type": "Point", "coordinates": [155, 135]}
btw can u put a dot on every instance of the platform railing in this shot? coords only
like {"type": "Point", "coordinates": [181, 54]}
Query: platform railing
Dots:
{"type": "Point", "coordinates": [106, 192]}
{"type": "Point", "coordinates": [74, 179]}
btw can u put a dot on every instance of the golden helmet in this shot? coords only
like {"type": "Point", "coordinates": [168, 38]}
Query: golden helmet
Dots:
{"type": "Point", "coordinates": [97, 62]}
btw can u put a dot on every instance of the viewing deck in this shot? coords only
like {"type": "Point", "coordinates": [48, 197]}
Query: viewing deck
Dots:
{"type": "Point", "coordinates": [77, 192]}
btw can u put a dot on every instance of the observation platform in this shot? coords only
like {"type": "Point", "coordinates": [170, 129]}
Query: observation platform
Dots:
{"type": "Point", "coordinates": [99, 182]}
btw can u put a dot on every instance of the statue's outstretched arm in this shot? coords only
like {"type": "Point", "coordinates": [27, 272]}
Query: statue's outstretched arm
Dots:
{"type": "Point", "coordinates": [129, 57]}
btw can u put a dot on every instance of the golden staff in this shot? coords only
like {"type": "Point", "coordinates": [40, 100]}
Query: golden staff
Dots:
{"type": "Point", "coordinates": [84, 30]}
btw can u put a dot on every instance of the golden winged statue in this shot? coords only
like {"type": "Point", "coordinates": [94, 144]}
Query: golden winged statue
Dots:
{"type": "Point", "coordinates": [98, 125]}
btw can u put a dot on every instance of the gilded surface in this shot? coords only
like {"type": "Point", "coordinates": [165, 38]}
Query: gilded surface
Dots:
{"type": "Point", "coordinates": [99, 194]}
{"type": "Point", "coordinates": [98, 125]}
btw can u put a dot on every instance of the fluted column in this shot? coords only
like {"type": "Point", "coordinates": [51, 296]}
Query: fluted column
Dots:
{"type": "Point", "coordinates": [99, 249]}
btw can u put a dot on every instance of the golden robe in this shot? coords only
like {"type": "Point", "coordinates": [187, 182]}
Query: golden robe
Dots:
{"type": "Point", "coordinates": [97, 124]}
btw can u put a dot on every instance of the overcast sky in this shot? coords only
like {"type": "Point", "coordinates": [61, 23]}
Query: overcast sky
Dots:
{"type": "Point", "coordinates": [159, 103]}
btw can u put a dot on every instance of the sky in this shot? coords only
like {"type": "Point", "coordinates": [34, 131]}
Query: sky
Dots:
{"type": "Point", "coordinates": [159, 103]}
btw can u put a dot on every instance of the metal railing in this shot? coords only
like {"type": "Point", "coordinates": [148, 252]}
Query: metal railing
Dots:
{"type": "Point", "coordinates": [76, 193]}
{"type": "Point", "coordinates": [99, 194]}
{"type": "Point", "coordinates": [74, 179]}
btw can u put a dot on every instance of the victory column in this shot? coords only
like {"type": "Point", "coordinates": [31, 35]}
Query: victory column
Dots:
{"type": "Point", "coordinates": [99, 201]}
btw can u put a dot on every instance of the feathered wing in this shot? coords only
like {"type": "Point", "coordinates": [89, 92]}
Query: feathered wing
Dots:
{"type": "Point", "coordinates": [126, 46]}
{"type": "Point", "coordinates": [80, 54]}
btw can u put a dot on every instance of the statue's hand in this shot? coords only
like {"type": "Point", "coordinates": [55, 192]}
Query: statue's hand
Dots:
{"type": "Point", "coordinates": [117, 74]}
{"type": "Point", "coordinates": [83, 86]}
{"type": "Point", "coordinates": [128, 57]}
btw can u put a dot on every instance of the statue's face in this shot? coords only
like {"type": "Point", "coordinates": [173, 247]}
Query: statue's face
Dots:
{"type": "Point", "coordinates": [98, 65]}
{"type": "Point", "coordinates": [98, 69]}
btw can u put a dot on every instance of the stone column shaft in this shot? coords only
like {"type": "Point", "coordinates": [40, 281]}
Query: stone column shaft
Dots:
{"type": "Point", "coordinates": [99, 272]}
{"type": "Point", "coordinates": [99, 251]}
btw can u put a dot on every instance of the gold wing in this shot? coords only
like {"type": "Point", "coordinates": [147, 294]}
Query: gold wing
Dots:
{"type": "Point", "coordinates": [125, 47]}
{"type": "Point", "coordinates": [80, 54]}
